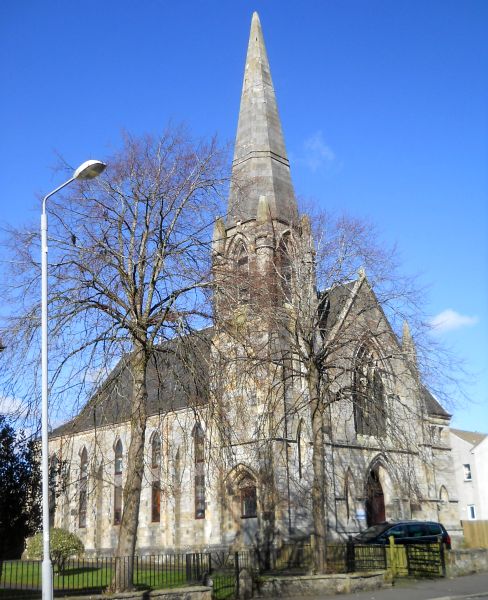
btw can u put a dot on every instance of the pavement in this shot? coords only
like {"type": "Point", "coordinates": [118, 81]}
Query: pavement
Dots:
{"type": "Point", "coordinates": [468, 587]}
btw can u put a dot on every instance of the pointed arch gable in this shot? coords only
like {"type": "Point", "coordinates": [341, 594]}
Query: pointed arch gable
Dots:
{"type": "Point", "coordinates": [242, 483]}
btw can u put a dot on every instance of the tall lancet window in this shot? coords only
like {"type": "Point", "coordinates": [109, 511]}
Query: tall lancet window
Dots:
{"type": "Point", "coordinates": [118, 465]}
{"type": "Point", "coordinates": [242, 274]}
{"type": "Point", "coordinates": [156, 478]}
{"type": "Point", "coordinates": [83, 485]}
{"type": "Point", "coordinates": [369, 395]}
{"type": "Point", "coordinates": [285, 269]}
{"type": "Point", "coordinates": [199, 458]}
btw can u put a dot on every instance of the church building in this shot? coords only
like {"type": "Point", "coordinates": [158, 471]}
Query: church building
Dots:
{"type": "Point", "coordinates": [232, 427]}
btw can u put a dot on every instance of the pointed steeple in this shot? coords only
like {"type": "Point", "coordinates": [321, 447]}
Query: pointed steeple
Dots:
{"type": "Point", "coordinates": [260, 166]}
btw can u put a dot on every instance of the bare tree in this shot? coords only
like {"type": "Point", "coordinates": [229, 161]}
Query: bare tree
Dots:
{"type": "Point", "coordinates": [129, 269]}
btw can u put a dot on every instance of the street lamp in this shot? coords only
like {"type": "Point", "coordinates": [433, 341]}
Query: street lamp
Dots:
{"type": "Point", "coordinates": [88, 170]}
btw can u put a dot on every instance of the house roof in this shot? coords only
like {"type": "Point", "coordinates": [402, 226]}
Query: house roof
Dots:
{"type": "Point", "coordinates": [177, 377]}
{"type": "Point", "coordinates": [472, 437]}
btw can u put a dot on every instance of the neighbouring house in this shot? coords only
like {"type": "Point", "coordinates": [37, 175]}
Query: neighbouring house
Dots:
{"type": "Point", "coordinates": [228, 439]}
{"type": "Point", "coordinates": [470, 457]}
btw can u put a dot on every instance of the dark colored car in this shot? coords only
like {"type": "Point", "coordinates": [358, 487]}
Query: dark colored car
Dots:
{"type": "Point", "coordinates": [405, 532]}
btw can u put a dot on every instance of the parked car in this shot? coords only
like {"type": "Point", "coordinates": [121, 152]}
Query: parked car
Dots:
{"type": "Point", "coordinates": [405, 532]}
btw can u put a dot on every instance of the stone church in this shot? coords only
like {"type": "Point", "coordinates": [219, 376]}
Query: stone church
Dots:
{"type": "Point", "coordinates": [229, 452]}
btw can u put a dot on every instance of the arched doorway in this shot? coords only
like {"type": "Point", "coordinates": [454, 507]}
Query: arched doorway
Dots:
{"type": "Point", "coordinates": [375, 499]}
{"type": "Point", "coordinates": [241, 518]}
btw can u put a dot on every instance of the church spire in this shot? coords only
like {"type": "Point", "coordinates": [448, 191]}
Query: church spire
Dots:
{"type": "Point", "coordinates": [260, 166]}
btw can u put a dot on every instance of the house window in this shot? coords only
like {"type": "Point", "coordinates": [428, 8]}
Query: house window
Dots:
{"type": "Point", "coordinates": [467, 472]}
{"type": "Point", "coordinates": [82, 500]}
{"type": "Point", "coordinates": [249, 503]}
{"type": "Point", "coordinates": [156, 481]}
{"type": "Point", "coordinates": [199, 457]}
{"type": "Point", "coordinates": [471, 512]}
{"type": "Point", "coordinates": [369, 395]}
{"type": "Point", "coordinates": [118, 465]}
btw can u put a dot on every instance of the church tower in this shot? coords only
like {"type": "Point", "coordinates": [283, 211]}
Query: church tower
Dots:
{"type": "Point", "coordinates": [255, 249]}
{"type": "Point", "coordinates": [262, 218]}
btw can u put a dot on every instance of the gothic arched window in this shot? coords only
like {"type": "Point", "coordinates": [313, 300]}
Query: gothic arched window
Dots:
{"type": "Point", "coordinates": [300, 449]}
{"type": "Point", "coordinates": [54, 472]}
{"type": "Point", "coordinates": [199, 458]}
{"type": "Point", "coordinates": [369, 395]}
{"type": "Point", "coordinates": [248, 497]}
{"type": "Point", "coordinates": [82, 499]}
{"type": "Point", "coordinates": [285, 269]}
{"type": "Point", "coordinates": [349, 494]}
{"type": "Point", "coordinates": [118, 466]}
{"type": "Point", "coordinates": [242, 273]}
{"type": "Point", "coordinates": [156, 478]}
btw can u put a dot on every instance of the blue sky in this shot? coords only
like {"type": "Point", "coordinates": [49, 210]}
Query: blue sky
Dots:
{"type": "Point", "coordinates": [384, 107]}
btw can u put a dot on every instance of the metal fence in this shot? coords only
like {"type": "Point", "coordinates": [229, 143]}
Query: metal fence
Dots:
{"type": "Point", "coordinates": [22, 578]}
{"type": "Point", "coordinates": [340, 558]}
{"type": "Point", "coordinates": [227, 570]}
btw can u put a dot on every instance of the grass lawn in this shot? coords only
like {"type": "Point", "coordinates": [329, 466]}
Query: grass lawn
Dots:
{"type": "Point", "coordinates": [17, 575]}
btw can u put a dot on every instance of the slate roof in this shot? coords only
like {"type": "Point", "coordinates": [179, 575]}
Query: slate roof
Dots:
{"type": "Point", "coordinates": [333, 301]}
{"type": "Point", "coordinates": [433, 406]}
{"type": "Point", "coordinates": [177, 378]}
{"type": "Point", "coordinates": [472, 437]}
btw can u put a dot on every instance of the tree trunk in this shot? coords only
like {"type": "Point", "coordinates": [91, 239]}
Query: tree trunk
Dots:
{"type": "Point", "coordinates": [318, 464]}
{"type": "Point", "coordinates": [124, 565]}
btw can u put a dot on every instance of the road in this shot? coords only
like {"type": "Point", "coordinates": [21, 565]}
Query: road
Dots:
{"type": "Point", "coordinates": [469, 587]}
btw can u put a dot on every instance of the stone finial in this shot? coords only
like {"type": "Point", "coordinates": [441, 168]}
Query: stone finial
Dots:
{"type": "Point", "coordinates": [219, 236]}
{"type": "Point", "coordinates": [305, 225]}
{"type": "Point", "coordinates": [361, 273]}
{"type": "Point", "coordinates": [408, 345]}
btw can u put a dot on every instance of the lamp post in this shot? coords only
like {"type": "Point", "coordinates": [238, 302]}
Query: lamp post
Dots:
{"type": "Point", "coordinates": [88, 170]}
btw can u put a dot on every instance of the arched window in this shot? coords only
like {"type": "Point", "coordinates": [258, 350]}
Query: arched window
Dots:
{"type": "Point", "coordinates": [285, 269]}
{"type": "Point", "coordinates": [248, 496]}
{"type": "Point", "coordinates": [300, 449]}
{"type": "Point", "coordinates": [242, 273]}
{"type": "Point", "coordinates": [54, 484]}
{"type": "Point", "coordinates": [82, 499]}
{"type": "Point", "coordinates": [156, 451]}
{"type": "Point", "coordinates": [118, 466]}
{"type": "Point", "coordinates": [199, 458]}
{"type": "Point", "coordinates": [369, 395]}
{"type": "Point", "coordinates": [443, 495]}
{"type": "Point", "coordinates": [349, 494]}
{"type": "Point", "coordinates": [156, 478]}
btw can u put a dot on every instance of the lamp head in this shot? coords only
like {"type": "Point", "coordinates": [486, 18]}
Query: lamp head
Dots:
{"type": "Point", "coordinates": [89, 169]}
